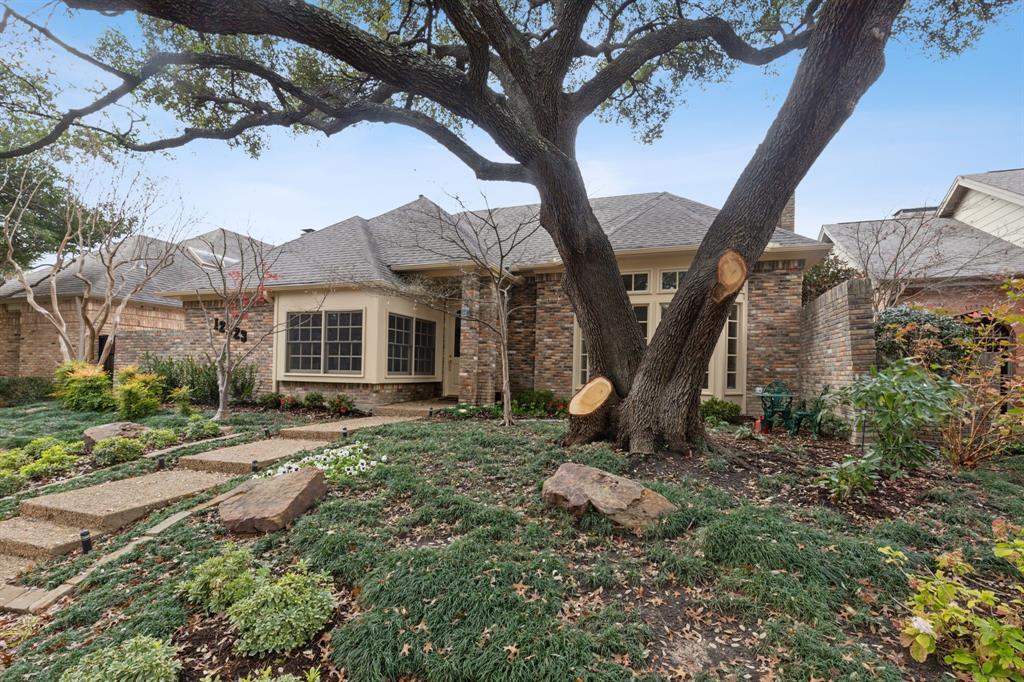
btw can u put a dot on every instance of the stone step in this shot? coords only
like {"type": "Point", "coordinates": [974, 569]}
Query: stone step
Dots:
{"type": "Point", "coordinates": [413, 408]}
{"type": "Point", "coordinates": [238, 459]}
{"type": "Point", "coordinates": [109, 506]}
{"type": "Point", "coordinates": [328, 431]}
{"type": "Point", "coordinates": [35, 538]}
{"type": "Point", "coordinates": [13, 566]}
{"type": "Point", "coordinates": [21, 599]}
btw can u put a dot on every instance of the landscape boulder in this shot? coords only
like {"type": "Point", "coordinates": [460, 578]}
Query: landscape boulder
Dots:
{"type": "Point", "coordinates": [95, 434]}
{"type": "Point", "coordinates": [273, 503]}
{"type": "Point", "coordinates": [577, 488]}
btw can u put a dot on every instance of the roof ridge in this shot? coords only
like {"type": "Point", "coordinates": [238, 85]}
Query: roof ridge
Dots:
{"type": "Point", "coordinates": [643, 208]}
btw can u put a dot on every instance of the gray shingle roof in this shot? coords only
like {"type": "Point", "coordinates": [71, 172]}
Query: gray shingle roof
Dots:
{"type": "Point", "coordinates": [924, 247]}
{"type": "Point", "coordinates": [1010, 180]}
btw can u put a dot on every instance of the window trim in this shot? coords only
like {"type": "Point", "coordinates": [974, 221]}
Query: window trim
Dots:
{"type": "Point", "coordinates": [362, 344]}
{"type": "Point", "coordinates": [663, 271]}
{"type": "Point", "coordinates": [633, 273]}
{"type": "Point", "coordinates": [322, 372]}
{"type": "Point", "coordinates": [412, 374]}
{"type": "Point", "coordinates": [387, 344]}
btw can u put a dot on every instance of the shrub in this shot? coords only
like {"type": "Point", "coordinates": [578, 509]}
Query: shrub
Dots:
{"type": "Point", "coordinates": [182, 399]}
{"type": "Point", "coordinates": [139, 658]}
{"type": "Point", "coordinates": [137, 394]}
{"type": "Point", "coordinates": [23, 390]}
{"type": "Point", "coordinates": [243, 383]}
{"type": "Point", "coordinates": [539, 404]}
{"type": "Point", "coordinates": [831, 271]}
{"type": "Point", "coordinates": [979, 631]}
{"type": "Point", "coordinates": [290, 402]}
{"type": "Point", "coordinates": [83, 387]}
{"type": "Point", "coordinates": [831, 425]}
{"type": "Point", "coordinates": [341, 404]}
{"type": "Point", "coordinates": [899, 403]}
{"type": "Point", "coordinates": [163, 367]}
{"type": "Point", "coordinates": [314, 401]}
{"type": "Point", "coordinates": [52, 461]}
{"type": "Point", "coordinates": [283, 614]}
{"type": "Point", "coordinates": [10, 482]}
{"type": "Point", "coordinates": [116, 450]}
{"type": "Point", "coordinates": [156, 439]}
{"type": "Point", "coordinates": [223, 580]}
{"type": "Point", "coordinates": [200, 377]}
{"type": "Point", "coordinates": [267, 675]}
{"type": "Point", "coordinates": [852, 478]}
{"type": "Point", "coordinates": [271, 400]}
{"type": "Point", "coordinates": [934, 339]}
{"type": "Point", "coordinates": [199, 427]}
{"type": "Point", "coordinates": [719, 409]}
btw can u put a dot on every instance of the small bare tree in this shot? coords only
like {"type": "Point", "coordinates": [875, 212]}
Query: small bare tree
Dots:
{"type": "Point", "coordinates": [915, 251]}
{"type": "Point", "coordinates": [236, 272]}
{"type": "Point", "coordinates": [487, 249]}
{"type": "Point", "coordinates": [104, 258]}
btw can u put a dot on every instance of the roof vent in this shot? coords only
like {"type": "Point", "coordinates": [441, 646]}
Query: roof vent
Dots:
{"type": "Point", "coordinates": [308, 230]}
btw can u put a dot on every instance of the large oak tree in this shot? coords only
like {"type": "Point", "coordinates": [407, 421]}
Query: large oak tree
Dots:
{"type": "Point", "coordinates": [527, 73]}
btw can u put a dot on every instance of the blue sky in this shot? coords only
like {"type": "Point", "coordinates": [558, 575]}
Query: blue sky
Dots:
{"type": "Point", "coordinates": [925, 121]}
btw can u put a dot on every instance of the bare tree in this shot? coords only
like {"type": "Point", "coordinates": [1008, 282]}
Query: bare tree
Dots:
{"type": "Point", "coordinates": [527, 75]}
{"type": "Point", "coordinates": [236, 272]}
{"type": "Point", "coordinates": [488, 251]}
{"type": "Point", "coordinates": [915, 252]}
{"type": "Point", "coordinates": [103, 259]}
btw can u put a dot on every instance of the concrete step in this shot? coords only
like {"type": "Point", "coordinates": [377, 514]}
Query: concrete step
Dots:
{"type": "Point", "coordinates": [328, 431]}
{"type": "Point", "coordinates": [34, 538]}
{"type": "Point", "coordinates": [12, 566]}
{"type": "Point", "coordinates": [112, 505]}
{"type": "Point", "coordinates": [413, 408]}
{"type": "Point", "coordinates": [238, 459]}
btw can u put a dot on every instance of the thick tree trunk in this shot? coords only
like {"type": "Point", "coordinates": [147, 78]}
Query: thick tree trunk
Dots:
{"type": "Point", "coordinates": [593, 412]}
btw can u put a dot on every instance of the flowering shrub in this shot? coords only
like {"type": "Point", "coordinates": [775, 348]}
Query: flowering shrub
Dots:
{"type": "Point", "coordinates": [337, 463]}
{"type": "Point", "coordinates": [341, 404]}
{"type": "Point", "coordinates": [980, 631]}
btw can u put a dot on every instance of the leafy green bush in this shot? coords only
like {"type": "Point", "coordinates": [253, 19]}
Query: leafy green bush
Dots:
{"type": "Point", "coordinates": [852, 478]}
{"type": "Point", "coordinates": [468, 411]}
{"type": "Point", "coordinates": [23, 390]}
{"type": "Point", "coordinates": [539, 404]}
{"type": "Point", "coordinates": [720, 410]}
{"type": "Point", "coordinates": [831, 271]}
{"type": "Point", "coordinates": [10, 482]}
{"type": "Point", "coordinates": [165, 368]}
{"type": "Point", "coordinates": [137, 394]}
{"type": "Point", "coordinates": [157, 439]}
{"type": "Point", "coordinates": [270, 400]}
{"type": "Point", "coordinates": [139, 658]}
{"type": "Point", "coordinates": [314, 401]}
{"type": "Point", "coordinates": [182, 399]}
{"type": "Point", "coordinates": [223, 580]}
{"type": "Point", "coordinates": [116, 450]}
{"type": "Point", "coordinates": [243, 383]}
{"type": "Point", "coordinates": [342, 404]}
{"type": "Point", "coordinates": [899, 403]}
{"type": "Point", "coordinates": [52, 461]}
{"type": "Point", "coordinates": [267, 675]}
{"type": "Point", "coordinates": [83, 387]}
{"type": "Point", "coordinates": [283, 614]}
{"type": "Point", "coordinates": [200, 376]}
{"type": "Point", "coordinates": [933, 338]}
{"type": "Point", "coordinates": [290, 402]}
{"type": "Point", "coordinates": [199, 427]}
{"type": "Point", "coordinates": [831, 425]}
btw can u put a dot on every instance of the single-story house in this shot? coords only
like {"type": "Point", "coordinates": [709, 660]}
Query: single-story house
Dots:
{"type": "Point", "coordinates": [29, 344]}
{"type": "Point", "coordinates": [340, 323]}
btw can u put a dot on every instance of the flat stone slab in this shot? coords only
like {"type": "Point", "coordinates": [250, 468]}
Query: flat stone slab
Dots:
{"type": "Point", "coordinates": [10, 568]}
{"type": "Point", "coordinates": [328, 431]}
{"type": "Point", "coordinates": [576, 488]}
{"type": "Point", "coordinates": [111, 505]}
{"type": "Point", "coordinates": [238, 459]}
{"type": "Point", "coordinates": [95, 434]}
{"type": "Point", "coordinates": [39, 538]}
{"type": "Point", "coordinates": [273, 503]}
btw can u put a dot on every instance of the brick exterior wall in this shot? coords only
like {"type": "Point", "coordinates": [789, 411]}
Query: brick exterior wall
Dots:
{"type": "Point", "coordinates": [367, 396]}
{"type": "Point", "coordinates": [774, 291]}
{"type": "Point", "coordinates": [29, 344]}
{"type": "Point", "coordinates": [553, 329]}
{"type": "Point", "coordinates": [522, 351]}
{"type": "Point", "coordinates": [787, 221]}
{"type": "Point", "coordinates": [478, 362]}
{"type": "Point", "coordinates": [837, 341]}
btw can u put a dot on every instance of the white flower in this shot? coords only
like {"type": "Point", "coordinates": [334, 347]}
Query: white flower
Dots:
{"type": "Point", "coordinates": [923, 625]}
{"type": "Point", "coordinates": [383, 458]}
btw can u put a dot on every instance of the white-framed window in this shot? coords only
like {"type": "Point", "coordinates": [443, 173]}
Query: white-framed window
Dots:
{"type": "Point", "coordinates": [669, 279]}
{"type": "Point", "coordinates": [584, 363]}
{"type": "Point", "coordinates": [412, 345]}
{"type": "Point", "coordinates": [636, 281]}
{"type": "Point", "coordinates": [325, 342]}
{"type": "Point", "coordinates": [642, 313]}
{"type": "Point", "coordinates": [732, 348]}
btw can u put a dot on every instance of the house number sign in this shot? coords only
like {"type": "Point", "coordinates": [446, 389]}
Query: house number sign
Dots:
{"type": "Point", "coordinates": [220, 326]}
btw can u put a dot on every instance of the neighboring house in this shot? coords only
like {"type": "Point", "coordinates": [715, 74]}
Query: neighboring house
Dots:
{"type": "Point", "coordinates": [28, 342]}
{"type": "Point", "coordinates": [954, 257]}
{"type": "Point", "coordinates": [345, 326]}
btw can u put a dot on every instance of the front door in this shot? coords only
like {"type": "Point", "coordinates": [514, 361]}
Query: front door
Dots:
{"type": "Point", "coordinates": [452, 351]}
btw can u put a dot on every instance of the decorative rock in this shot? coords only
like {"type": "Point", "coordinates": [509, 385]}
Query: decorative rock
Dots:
{"type": "Point", "coordinates": [94, 434]}
{"type": "Point", "coordinates": [273, 503]}
{"type": "Point", "coordinates": [576, 488]}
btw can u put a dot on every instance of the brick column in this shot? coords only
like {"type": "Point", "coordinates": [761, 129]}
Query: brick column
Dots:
{"type": "Point", "coordinates": [478, 363]}
{"type": "Point", "coordinates": [522, 351]}
{"type": "Point", "coordinates": [10, 342]}
{"type": "Point", "coordinates": [554, 329]}
{"type": "Point", "coordinates": [773, 326]}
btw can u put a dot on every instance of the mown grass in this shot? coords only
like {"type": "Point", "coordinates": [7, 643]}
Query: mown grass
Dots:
{"type": "Point", "coordinates": [460, 572]}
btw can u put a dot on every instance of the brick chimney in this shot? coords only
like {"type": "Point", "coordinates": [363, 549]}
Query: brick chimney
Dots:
{"type": "Point", "coordinates": [788, 219]}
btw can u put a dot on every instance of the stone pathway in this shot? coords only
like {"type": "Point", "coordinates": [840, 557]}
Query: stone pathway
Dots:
{"type": "Point", "coordinates": [328, 431]}
{"type": "Point", "coordinates": [414, 408]}
{"type": "Point", "coordinates": [239, 459]}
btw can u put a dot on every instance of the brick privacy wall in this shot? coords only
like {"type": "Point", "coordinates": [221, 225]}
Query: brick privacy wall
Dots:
{"type": "Point", "coordinates": [193, 341]}
{"type": "Point", "coordinates": [552, 369]}
{"type": "Point", "coordinates": [522, 352]}
{"type": "Point", "coordinates": [478, 362]}
{"type": "Point", "coordinates": [774, 291]}
{"type": "Point", "coordinates": [837, 341]}
{"type": "Point", "coordinates": [35, 348]}
{"type": "Point", "coordinates": [366, 395]}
